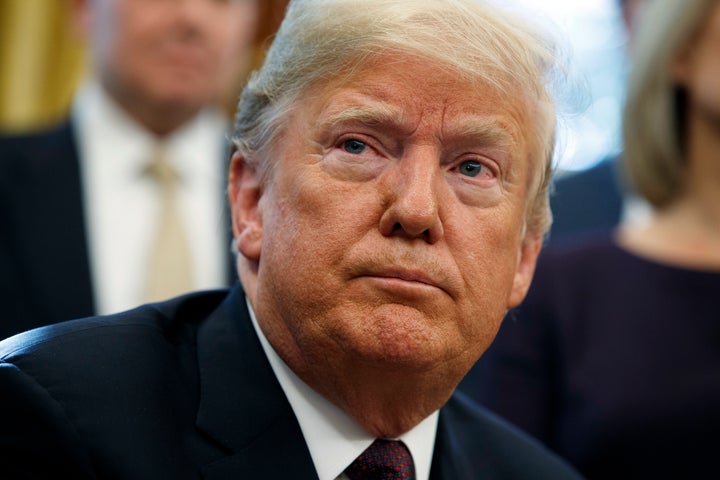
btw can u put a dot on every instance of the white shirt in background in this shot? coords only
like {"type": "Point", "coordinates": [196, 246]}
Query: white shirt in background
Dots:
{"type": "Point", "coordinates": [122, 204]}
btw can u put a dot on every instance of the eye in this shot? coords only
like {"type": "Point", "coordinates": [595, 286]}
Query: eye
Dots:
{"type": "Point", "coordinates": [354, 146]}
{"type": "Point", "coordinates": [470, 168]}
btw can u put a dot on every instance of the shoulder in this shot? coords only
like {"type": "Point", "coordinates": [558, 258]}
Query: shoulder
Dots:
{"type": "Point", "coordinates": [53, 135]}
{"type": "Point", "coordinates": [111, 387]}
{"type": "Point", "coordinates": [91, 342]}
{"type": "Point", "coordinates": [587, 201]}
{"type": "Point", "coordinates": [31, 154]}
{"type": "Point", "coordinates": [485, 438]}
{"type": "Point", "coordinates": [602, 175]}
{"type": "Point", "coordinates": [577, 254]}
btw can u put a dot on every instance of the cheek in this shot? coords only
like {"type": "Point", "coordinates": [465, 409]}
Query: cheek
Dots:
{"type": "Point", "coordinates": [487, 256]}
{"type": "Point", "coordinates": [708, 86]}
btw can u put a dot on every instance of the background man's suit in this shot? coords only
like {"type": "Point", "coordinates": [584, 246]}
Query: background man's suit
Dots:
{"type": "Point", "coordinates": [44, 259]}
{"type": "Point", "coordinates": [183, 389]}
{"type": "Point", "coordinates": [44, 266]}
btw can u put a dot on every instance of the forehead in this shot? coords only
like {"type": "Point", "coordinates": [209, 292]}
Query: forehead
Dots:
{"type": "Point", "coordinates": [410, 93]}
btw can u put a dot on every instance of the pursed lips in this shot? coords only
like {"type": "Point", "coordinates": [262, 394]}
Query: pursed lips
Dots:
{"type": "Point", "coordinates": [407, 276]}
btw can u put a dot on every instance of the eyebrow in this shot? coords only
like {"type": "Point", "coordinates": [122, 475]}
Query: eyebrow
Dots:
{"type": "Point", "coordinates": [485, 131]}
{"type": "Point", "coordinates": [377, 114]}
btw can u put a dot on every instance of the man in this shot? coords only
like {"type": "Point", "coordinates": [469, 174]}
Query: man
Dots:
{"type": "Point", "coordinates": [158, 69]}
{"type": "Point", "coordinates": [389, 199]}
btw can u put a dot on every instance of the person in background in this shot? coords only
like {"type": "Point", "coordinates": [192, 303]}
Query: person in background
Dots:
{"type": "Point", "coordinates": [614, 358]}
{"type": "Point", "coordinates": [389, 200]}
{"type": "Point", "coordinates": [595, 200]}
{"type": "Point", "coordinates": [120, 203]}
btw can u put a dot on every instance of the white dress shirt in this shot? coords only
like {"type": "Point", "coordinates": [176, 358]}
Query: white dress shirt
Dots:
{"type": "Point", "coordinates": [122, 204]}
{"type": "Point", "coordinates": [333, 437]}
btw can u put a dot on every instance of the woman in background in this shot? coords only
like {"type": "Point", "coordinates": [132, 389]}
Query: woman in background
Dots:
{"type": "Point", "coordinates": [614, 358]}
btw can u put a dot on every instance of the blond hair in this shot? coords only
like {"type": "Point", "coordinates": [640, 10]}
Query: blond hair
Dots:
{"type": "Point", "coordinates": [324, 39]}
{"type": "Point", "coordinates": [653, 124]}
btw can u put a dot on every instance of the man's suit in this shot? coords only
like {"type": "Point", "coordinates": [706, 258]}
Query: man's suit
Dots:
{"type": "Point", "coordinates": [44, 263]}
{"type": "Point", "coordinates": [45, 274]}
{"type": "Point", "coordinates": [587, 202]}
{"type": "Point", "coordinates": [183, 389]}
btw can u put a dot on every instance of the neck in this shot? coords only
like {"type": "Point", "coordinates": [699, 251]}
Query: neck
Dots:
{"type": "Point", "coordinates": [159, 118]}
{"type": "Point", "coordinates": [385, 403]}
{"type": "Point", "coordinates": [686, 232]}
{"type": "Point", "coordinates": [160, 121]}
{"type": "Point", "coordinates": [385, 398]}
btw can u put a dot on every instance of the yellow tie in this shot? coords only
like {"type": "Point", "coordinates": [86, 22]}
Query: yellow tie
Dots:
{"type": "Point", "coordinates": [169, 261]}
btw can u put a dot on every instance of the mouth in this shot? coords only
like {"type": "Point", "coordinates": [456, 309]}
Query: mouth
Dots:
{"type": "Point", "coordinates": [407, 276]}
{"type": "Point", "coordinates": [405, 281]}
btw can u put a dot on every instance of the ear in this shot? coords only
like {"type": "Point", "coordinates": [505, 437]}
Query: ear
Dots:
{"type": "Point", "coordinates": [244, 192]}
{"type": "Point", "coordinates": [527, 258]}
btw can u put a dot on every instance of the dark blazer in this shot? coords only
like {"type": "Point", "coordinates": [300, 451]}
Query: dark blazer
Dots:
{"type": "Point", "coordinates": [182, 390]}
{"type": "Point", "coordinates": [44, 257]}
{"type": "Point", "coordinates": [44, 266]}
{"type": "Point", "coordinates": [586, 202]}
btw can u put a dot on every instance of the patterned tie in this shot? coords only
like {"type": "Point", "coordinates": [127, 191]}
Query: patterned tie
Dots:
{"type": "Point", "coordinates": [383, 460]}
{"type": "Point", "coordinates": [168, 267]}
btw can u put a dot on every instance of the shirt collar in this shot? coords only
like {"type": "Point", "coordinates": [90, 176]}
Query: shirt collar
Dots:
{"type": "Point", "coordinates": [111, 136]}
{"type": "Point", "coordinates": [333, 437]}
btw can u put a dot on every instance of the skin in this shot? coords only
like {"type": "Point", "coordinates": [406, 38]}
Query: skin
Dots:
{"type": "Point", "coordinates": [164, 60]}
{"type": "Point", "coordinates": [383, 250]}
{"type": "Point", "coordinates": [687, 232]}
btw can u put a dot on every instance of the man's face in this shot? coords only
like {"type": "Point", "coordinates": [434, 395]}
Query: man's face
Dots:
{"type": "Point", "coordinates": [167, 52]}
{"type": "Point", "coordinates": [390, 230]}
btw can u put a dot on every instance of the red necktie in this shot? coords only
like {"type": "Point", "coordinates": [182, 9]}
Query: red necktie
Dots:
{"type": "Point", "coordinates": [383, 460]}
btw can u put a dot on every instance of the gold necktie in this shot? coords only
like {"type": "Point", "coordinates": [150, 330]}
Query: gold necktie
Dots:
{"type": "Point", "coordinates": [169, 260]}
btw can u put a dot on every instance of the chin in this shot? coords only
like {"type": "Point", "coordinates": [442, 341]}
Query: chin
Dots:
{"type": "Point", "coordinates": [186, 96]}
{"type": "Point", "coordinates": [402, 336]}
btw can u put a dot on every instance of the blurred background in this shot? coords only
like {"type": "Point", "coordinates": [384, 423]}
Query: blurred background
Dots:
{"type": "Point", "coordinates": [42, 61]}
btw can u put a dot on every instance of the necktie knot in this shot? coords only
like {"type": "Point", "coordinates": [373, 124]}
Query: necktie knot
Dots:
{"type": "Point", "coordinates": [161, 171]}
{"type": "Point", "coordinates": [383, 460]}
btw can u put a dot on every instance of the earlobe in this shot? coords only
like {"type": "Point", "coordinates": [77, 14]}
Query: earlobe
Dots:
{"type": "Point", "coordinates": [244, 192]}
{"type": "Point", "coordinates": [529, 251]}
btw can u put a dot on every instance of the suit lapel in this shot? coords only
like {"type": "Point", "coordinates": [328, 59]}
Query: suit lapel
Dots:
{"type": "Point", "coordinates": [242, 406]}
{"type": "Point", "coordinates": [446, 462]}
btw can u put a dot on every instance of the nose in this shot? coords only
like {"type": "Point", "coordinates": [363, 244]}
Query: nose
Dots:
{"type": "Point", "coordinates": [193, 12]}
{"type": "Point", "coordinates": [412, 208]}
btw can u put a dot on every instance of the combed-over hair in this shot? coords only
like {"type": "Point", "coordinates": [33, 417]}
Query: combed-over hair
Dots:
{"type": "Point", "coordinates": [322, 40]}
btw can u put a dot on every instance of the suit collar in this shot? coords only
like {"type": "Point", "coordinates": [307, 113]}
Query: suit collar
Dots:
{"type": "Point", "coordinates": [447, 463]}
{"type": "Point", "coordinates": [242, 406]}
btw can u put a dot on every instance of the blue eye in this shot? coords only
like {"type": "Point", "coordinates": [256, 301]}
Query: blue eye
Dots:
{"type": "Point", "coordinates": [470, 168]}
{"type": "Point", "coordinates": [354, 146]}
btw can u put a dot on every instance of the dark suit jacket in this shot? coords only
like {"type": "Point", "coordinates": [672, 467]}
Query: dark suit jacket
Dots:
{"type": "Point", "coordinates": [44, 259]}
{"type": "Point", "coordinates": [587, 202]}
{"type": "Point", "coordinates": [182, 389]}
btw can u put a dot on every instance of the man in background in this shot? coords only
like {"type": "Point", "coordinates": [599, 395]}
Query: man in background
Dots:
{"type": "Point", "coordinates": [127, 187]}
